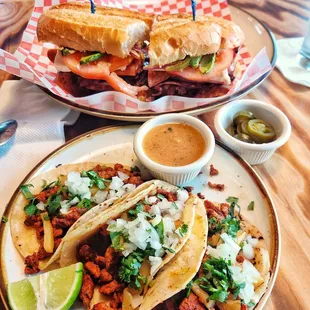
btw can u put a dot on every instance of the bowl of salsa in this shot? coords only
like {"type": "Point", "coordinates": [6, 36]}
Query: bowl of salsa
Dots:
{"type": "Point", "coordinates": [174, 147]}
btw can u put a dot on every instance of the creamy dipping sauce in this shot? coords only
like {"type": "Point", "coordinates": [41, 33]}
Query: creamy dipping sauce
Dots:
{"type": "Point", "coordinates": [175, 144]}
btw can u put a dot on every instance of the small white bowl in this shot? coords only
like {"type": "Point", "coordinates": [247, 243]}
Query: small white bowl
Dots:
{"type": "Point", "coordinates": [181, 174]}
{"type": "Point", "coordinates": [253, 153]}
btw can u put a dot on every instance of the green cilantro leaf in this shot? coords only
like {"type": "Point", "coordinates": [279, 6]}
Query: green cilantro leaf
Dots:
{"type": "Point", "coordinates": [4, 219]}
{"type": "Point", "coordinates": [53, 204]}
{"type": "Point", "coordinates": [95, 179]}
{"type": "Point", "coordinates": [188, 288]}
{"type": "Point", "coordinates": [129, 270]}
{"type": "Point", "coordinates": [30, 209]}
{"type": "Point", "coordinates": [161, 197]}
{"type": "Point", "coordinates": [46, 186]}
{"type": "Point", "coordinates": [160, 231]}
{"type": "Point", "coordinates": [26, 192]}
{"type": "Point", "coordinates": [183, 230]}
{"type": "Point", "coordinates": [168, 249]}
{"type": "Point", "coordinates": [84, 203]}
{"type": "Point", "coordinates": [251, 206]}
{"type": "Point", "coordinates": [232, 199]}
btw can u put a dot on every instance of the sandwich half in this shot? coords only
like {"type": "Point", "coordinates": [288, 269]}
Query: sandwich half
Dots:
{"type": "Point", "coordinates": [96, 51]}
{"type": "Point", "coordinates": [191, 53]}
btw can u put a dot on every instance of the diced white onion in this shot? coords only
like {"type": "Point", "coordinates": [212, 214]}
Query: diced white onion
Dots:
{"type": "Point", "coordinates": [78, 185]}
{"type": "Point", "coordinates": [116, 183]}
{"type": "Point", "coordinates": [100, 196]}
{"type": "Point", "coordinates": [40, 206]}
{"type": "Point", "coordinates": [252, 241]}
{"type": "Point", "coordinates": [228, 250]}
{"type": "Point", "coordinates": [66, 204]}
{"type": "Point", "coordinates": [123, 176]}
{"type": "Point", "coordinates": [155, 210]}
{"type": "Point", "coordinates": [129, 187]}
{"type": "Point", "coordinates": [156, 220]}
{"type": "Point", "coordinates": [182, 195]}
{"type": "Point", "coordinates": [152, 199]}
{"type": "Point", "coordinates": [248, 251]}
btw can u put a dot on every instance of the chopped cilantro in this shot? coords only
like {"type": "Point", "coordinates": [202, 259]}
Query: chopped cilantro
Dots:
{"type": "Point", "coordinates": [53, 204]}
{"type": "Point", "coordinates": [133, 212]}
{"type": "Point", "coordinates": [188, 288]}
{"type": "Point", "coordinates": [161, 197]}
{"type": "Point", "coordinates": [251, 206]}
{"type": "Point", "coordinates": [26, 192]}
{"type": "Point", "coordinates": [46, 186]}
{"type": "Point", "coordinates": [169, 249]}
{"type": "Point", "coordinates": [160, 231]}
{"type": "Point", "coordinates": [230, 225]}
{"type": "Point", "coordinates": [129, 270]}
{"type": "Point", "coordinates": [4, 219]}
{"type": "Point", "coordinates": [231, 199]}
{"type": "Point", "coordinates": [84, 203]}
{"type": "Point", "coordinates": [95, 179]}
{"type": "Point", "coordinates": [30, 209]}
{"type": "Point", "coordinates": [217, 280]}
{"type": "Point", "coordinates": [251, 304]}
{"type": "Point", "coordinates": [183, 230]}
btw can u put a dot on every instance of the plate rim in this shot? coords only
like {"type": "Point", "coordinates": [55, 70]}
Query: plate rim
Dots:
{"type": "Point", "coordinates": [142, 116]}
{"type": "Point", "coordinates": [259, 182]}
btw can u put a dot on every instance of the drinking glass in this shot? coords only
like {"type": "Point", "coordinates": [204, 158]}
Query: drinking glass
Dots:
{"type": "Point", "coordinates": [304, 53]}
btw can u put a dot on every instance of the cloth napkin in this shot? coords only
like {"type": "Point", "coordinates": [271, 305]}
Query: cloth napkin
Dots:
{"type": "Point", "coordinates": [40, 130]}
{"type": "Point", "coordinates": [288, 61]}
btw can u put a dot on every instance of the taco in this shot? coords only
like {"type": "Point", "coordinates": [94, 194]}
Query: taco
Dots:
{"type": "Point", "coordinates": [236, 267]}
{"type": "Point", "coordinates": [123, 248]}
{"type": "Point", "coordinates": [59, 201]}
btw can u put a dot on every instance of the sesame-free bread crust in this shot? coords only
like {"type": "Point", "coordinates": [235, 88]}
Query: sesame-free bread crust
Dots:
{"type": "Point", "coordinates": [175, 38]}
{"type": "Point", "coordinates": [111, 30]}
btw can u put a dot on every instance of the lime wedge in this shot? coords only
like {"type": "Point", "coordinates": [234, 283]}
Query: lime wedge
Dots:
{"type": "Point", "coordinates": [22, 294]}
{"type": "Point", "coordinates": [54, 290]}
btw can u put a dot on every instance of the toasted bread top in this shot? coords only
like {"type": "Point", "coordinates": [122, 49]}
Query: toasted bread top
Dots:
{"type": "Point", "coordinates": [111, 30]}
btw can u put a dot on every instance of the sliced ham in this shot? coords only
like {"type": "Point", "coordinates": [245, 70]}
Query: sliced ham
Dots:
{"type": "Point", "coordinates": [156, 77]}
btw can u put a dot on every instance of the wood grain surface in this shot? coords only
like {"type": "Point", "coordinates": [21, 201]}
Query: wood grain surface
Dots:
{"type": "Point", "coordinates": [286, 174]}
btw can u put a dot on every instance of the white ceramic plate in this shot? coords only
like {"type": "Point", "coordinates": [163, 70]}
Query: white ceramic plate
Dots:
{"type": "Point", "coordinates": [114, 144]}
{"type": "Point", "coordinates": [257, 37]}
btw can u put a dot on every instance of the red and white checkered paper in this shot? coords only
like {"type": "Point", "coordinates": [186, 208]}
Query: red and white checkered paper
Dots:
{"type": "Point", "coordinates": [31, 63]}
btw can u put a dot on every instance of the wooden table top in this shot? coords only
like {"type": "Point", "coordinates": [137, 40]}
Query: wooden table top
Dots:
{"type": "Point", "coordinates": [286, 174]}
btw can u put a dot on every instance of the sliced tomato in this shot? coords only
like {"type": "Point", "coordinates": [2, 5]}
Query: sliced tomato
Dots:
{"type": "Point", "coordinates": [223, 60]}
{"type": "Point", "coordinates": [96, 70]}
{"type": "Point", "coordinates": [118, 63]}
{"type": "Point", "coordinates": [100, 70]}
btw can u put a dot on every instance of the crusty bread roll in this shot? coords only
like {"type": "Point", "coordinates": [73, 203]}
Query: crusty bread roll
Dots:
{"type": "Point", "coordinates": [232, 35]}
{"type": "Point", "coordinates": [110, 30]}
{"type": "Point", "coordinates": [172, 39]}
